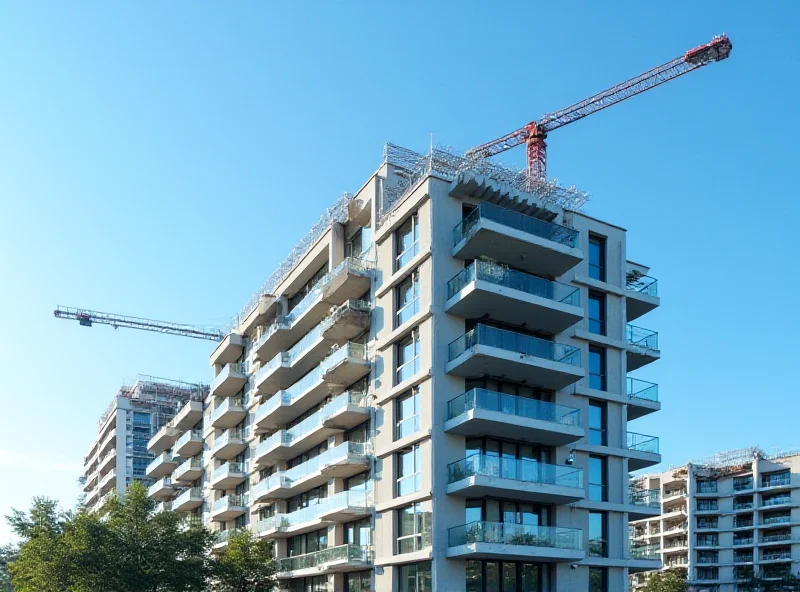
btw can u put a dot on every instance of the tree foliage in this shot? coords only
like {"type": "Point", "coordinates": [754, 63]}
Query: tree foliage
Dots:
{"type": "Point", "coordinates": [247, 565]}
{"type": "Point", "coordinates": [758, 583]}
{"type": "Point", "coordinates": [671, 580]}
{"type": "Point", "coordinates": [8, 553]}
{"type": "Point", "coordinates": [131, 548]}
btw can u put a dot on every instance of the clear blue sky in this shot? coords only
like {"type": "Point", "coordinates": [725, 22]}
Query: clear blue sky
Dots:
{"type": "Point", "coordinates": [159, 159]}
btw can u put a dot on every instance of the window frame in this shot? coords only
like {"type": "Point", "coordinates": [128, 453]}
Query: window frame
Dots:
{"type": "Point", "coordinates": [416, 535]}
{"type": "Point", "coordinates": [415, 397]}
{"type": "Point", "coordinates": [416, 457]}
{"type": "Point", "coordinates": [603, 485]}
{"type": "Point", "coordinates": [413, 305]}
{"type": "Point", "coordinates": [601, 351]}
{"type": "Point", "coordinates": [603, 571]}
{"type": "Point", "coordinates": [603, 429]}
{"type": "Point", "coordinates": [421, 571]}
{"type": "Point", "coordinates": [597, 271]}
{"type": "Point", "coordinates": [600, 322]}
{"type": "Point", "coordinates": [401, 258]}
{"type": "Point", "coordinates": [603, 532]}
{"type": "Point", "coordinates": [401, 364]}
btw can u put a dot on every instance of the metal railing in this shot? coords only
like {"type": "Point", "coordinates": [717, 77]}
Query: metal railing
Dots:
{"type": "Point", "coordinates": [516, 280]}
{"type": "Point", "coordinates": [642, 442]}
{"type": "Point", "coordinates": [649, 552]}
{"type": "Point", "coordinates": [776, 480]}
{"type": "Point", "coordinates": [644, 284]}
{"type": "Point", "coordinates": [514, 342]}
{"type": "Point", "coordinates": [516, 469]}
{"type": "Point", "coordinates": [776, 501]}
{"type": "Point", "coordinates": [230, 501]}
{"type": "Point", "coordinates": [353, 499]}
{"type": "Point", "coordinates": [227, 469]}
{"type": "Point", "coordinates": [528, 224]}
{"type": "Point", "coordinates": [229, 404]}
{"type": "Point", "coordinates": [650, 498]}
{"type": "Point", "coordinates": [196, 492]}
{"type": "Point", "coordinates": [318, 559]}
{"type": "Point", "coordinates": [641, 337]}
{"type": "Point", "coordinates": [512, 405]}
{"type": "Point", "coordinates": [516, 534]}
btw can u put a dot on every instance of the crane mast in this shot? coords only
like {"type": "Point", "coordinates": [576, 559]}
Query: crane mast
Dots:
{"type": "Point", "coordinates": [89, 317]}
{"type": "Point", "coordinates": [534, 133]}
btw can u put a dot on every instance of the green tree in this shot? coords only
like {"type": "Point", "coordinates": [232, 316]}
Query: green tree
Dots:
{"type": "Point", "coordinates": [246, 565]}
{"type": "Point", "coordinates": [757, 583]}
{"type": "Point", "coordinates": [671, 580]}
{"type": "Point", "coordinates": [7, 554]}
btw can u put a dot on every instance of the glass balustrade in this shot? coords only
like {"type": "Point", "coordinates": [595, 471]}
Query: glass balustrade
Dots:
{"type": "Point", "coordinates": [515, 342]}
{"type": "Point", "coordinates": [507, 533]}
{"type": "Point", "coordinates": [517, 221]}
{"type": "Point", "coordinates": [641, 389]}
{"type": "Point", "coordinates": [528, 471]}
{"type": "Point", "coordinates": [512, 405]}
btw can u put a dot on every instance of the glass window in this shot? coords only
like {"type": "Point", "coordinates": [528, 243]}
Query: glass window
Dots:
{"type": "Point", "coordinates": [597, 423]}
{"type": "Point", "coordinates": [360, 581]}
{"type": "Point", "coordinates": [359, 242]}
{"type": "Point", "coordinates": [598, 534]}
{"type": "Point", "coordinates": [407, 299]}
{"type": "Point", "coordinates": [409, 470]}
{"type": "Point", "coordinates": [598, 579]}
{"type": "Point", "coordinates": [597, 313]}
{"type": "Point", "coordinates": [597, 257]}
{"type": "Point", "coordinates": [597, 479]}
{"type": "Point", "coordinates": [358, 533]}
{"type": "Point", "coordinates": [411, 529]}
{"type": "Point", "coordinates": [415, 577]}
{"type": "Point", "coordinates": [406, 241]}
{"type": "Point", "coordinates": [407, 363]}
{"type": "Point", "coordinates": [407, 414]}
{"type": "Point", "coordinates": [597, 368]}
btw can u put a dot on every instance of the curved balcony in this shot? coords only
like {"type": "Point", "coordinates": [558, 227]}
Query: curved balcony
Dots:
{"type": "Point", "coordinates": [523, 241]}
{"type": "Point", "coordinates": [163, 440]}
{"type": "Point", "coordinates": [481, 475]}
{"type": "Point", "coordinates": [161, 490]}
{"type": "Point", "coordinates": [229, 349]}
{"type": "Point", "coordinates": [515, 542]}
{"type": "Point", "coordinates": [480, 412]}
{"type": "Point", "coordinates": [487, 350]}
{"type": "Point", "coordinates": [513, 297]}
{"type": "Point", "coordinates": [228, 507]}
{"type": "Point", "coordinates": [189, 444]}
{"type": "Point", "coordinates": [643, 503]}
{"type": "Point", "coordinates": [345, 460]}
{"type": "Point", "coordinates": [641, 295]}
{"type": "Point", "coordinates": [331, 560]}
{"type": "Point", "coordinates": [350, 279]}
{"type": "Point", "coordinates": [107, 461]}
{"type": "Point", "coordinates": [341, 507]}
{"type": "Point", "coordinates": [229, 413]}
{"type": "Point", "coordinates": [644, 557]}
{"type": "Point", "coordinates": [189, 470]}
{"type": "Point", "coordinates": [188, 500]}
{"type": "Point", "coordinates": [229, 381]}
{"type": "Point", "coordinates": [161, 466]}
{"type": "Point", "coordinates": [229, 444]}
{"type": "Point", "coordinates": [189, 415]}
{"type": "Point", "coordinates": [228, 476]}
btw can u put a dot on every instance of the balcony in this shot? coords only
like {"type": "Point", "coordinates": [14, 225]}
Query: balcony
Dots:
{"type": "Point", "coordinates": [642, 451]}
{"type": "Point", "coordinates": [189, 470]}
{"type": "Point", "coordinates": [643, 503]}
{"type": "Point", "coordinates": [189, 444]}
{"type": "Point", "coordinates": [513, 297]}
{"type": "Point", "coordinates": [188, 500]}
{"type": "Point", "coordinates": [481, 475]}
{"type": "Point", "coordinates": [528, 243]}
{"type": "Point", "coordinates": [229, 350]}
{"type": "Point", "coordinates": [346, 365]}
{"type": "Point", "coordinates": [781, 480]}
{"type": "Point", "coordinates": [481, 412]}
{"type": "Point", "coordinates": [776, 556]}
{"type": "Point", "coordinates": [776, 520]}
{"type": "Point", "coordinates": [345, 460]}
{"type": "Point", "coordinates": [229, 381]}
{"type": "Point", "coordinates": [520, 542]}
{"type": "Point", "coordinates": [189, 415]}
{"type": "Point", "coordinates": [349, 280]}
{"type": "Point", "coordinates": [161, 490]}
{"type": "Point", "coordinates": [108, 442]}
{"type": "Point", "coordinates": [644, 557]}
{"type": "Point", "coordinates": [780, 538]}
{"type": "Point", "coordinates": [108, 482]}
{"type": "Point", "coordinates": [228, 507]}
{"type": "Point", "coordinates": [229, 444]}
{"type": "Point", "coordinates": [487, 350]}
{"type": "Point", "coordinates": [228, 476]}
{"type": "Point", "coordinates": [107, 461]}
{"type": "Point", "coordinates": [163, 440]}
{"type": "Point", "coordinates": [782, 500]}
{"type": "Point", "coordinates": [161, 466]}
{"type": "Point", "coordinates": [642, 347]}
{"type": "Point", "coordinates": [223, 536]}
{"type": "Point", "coordinates": [641, 294]}
{"type": "Point", "coordinates": [642, 398]}
{"type": "Point", "coordinates": [331, 560]}
{"type": "Point", "coordinates": [229, 413]}
{"type": "Point", "coordinates": [91, 496]}
{"type": "Point", "coordinates": [341, 507]}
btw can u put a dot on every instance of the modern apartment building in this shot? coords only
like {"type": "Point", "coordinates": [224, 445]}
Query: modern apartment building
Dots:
{"type": "Point", "coordinates": [119, 456]}
{"type": "Point", "coordinates": [726, 517]}
{"type": "Point", "coordinates": [433, 392]}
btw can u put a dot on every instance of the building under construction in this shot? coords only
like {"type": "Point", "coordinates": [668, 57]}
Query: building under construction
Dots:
{"type": "Point", "coordinates": [725, 518]}
{"type": "Point", "coordinates": [118, 456]}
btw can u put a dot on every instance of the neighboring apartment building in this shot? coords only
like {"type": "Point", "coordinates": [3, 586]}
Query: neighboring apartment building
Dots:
{"type": "Point", "coordinates": [433, 392]}
{"type": "Point", "coordinates": [119, 456]}
{"type": "Point", "coordinates": [727, 517]}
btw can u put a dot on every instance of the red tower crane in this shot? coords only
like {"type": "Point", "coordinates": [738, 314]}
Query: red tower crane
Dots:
{"type": "Point", "coordinates": [535, 132]}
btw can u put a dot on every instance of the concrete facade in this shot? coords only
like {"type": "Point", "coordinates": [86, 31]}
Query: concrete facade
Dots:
{"type": "Point", "coordinates": [408, 409]}
{"type": "Point", "coordinates": [726, 518]}
{"type": "Point", "coordinates": [119, 454]}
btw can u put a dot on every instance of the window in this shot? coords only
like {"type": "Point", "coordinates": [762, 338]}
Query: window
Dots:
{"type": "Point", "coordinates": [706, 487]}
{"type": "Point", "coordinates": [492, 576]}
{"type": "Point", "coordinates": [707, 522]}
{"type": "Point", "coordinates": [358, 533]}
{"type": "Point", "coordinates": [707, 573]}
{"type": "Point", "coordinates": [707, 540]}
{"type": "Point", "coordinates": [359, 242]}
{"type": "Point", "coordinates": [598, 534]}
{"type": "Point", "coordinates": [407, 414]}
{"type": "Point", "coordinates": [307, 543]}
{"type": "Point", "coordinates": [597, 313]}
{"type": "Point", "coordinates": [312, 584]}
{"type": "Point", "coordinates": [409, 470]}
{"type": "Point", "coordinates": [304, 291]}
{"type": "Point", "coordinates": [598, 479]}
{"type": "Point", "coordinates": [413, 532]}
{"type": "Point", "coordinates": [598, 579]}
{"type": "Point", "coordinates": [360, 581]}
{"type": "Point", "coordinates": [406, 241]}
{"type": "Point", "coordinates": [407, 362]}
{"type": "Point", "coordinates": [406, 299]}
{"type": "Point", "coordinates": [597, 257]}
{"type": "Point", "coordinates": [597, 368]}
{"type": "Point", "coordinates": [415, 577]}
{"type": "Point", "coordinates": [597, 423]}
{"type": "Point", "coordinates": [705, 505]}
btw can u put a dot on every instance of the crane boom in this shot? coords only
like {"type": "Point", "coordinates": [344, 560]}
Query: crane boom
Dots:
{"type": "Point", "coordinates": [535, 132]}
{"type": "Point", "coordinates": [88, 317]}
